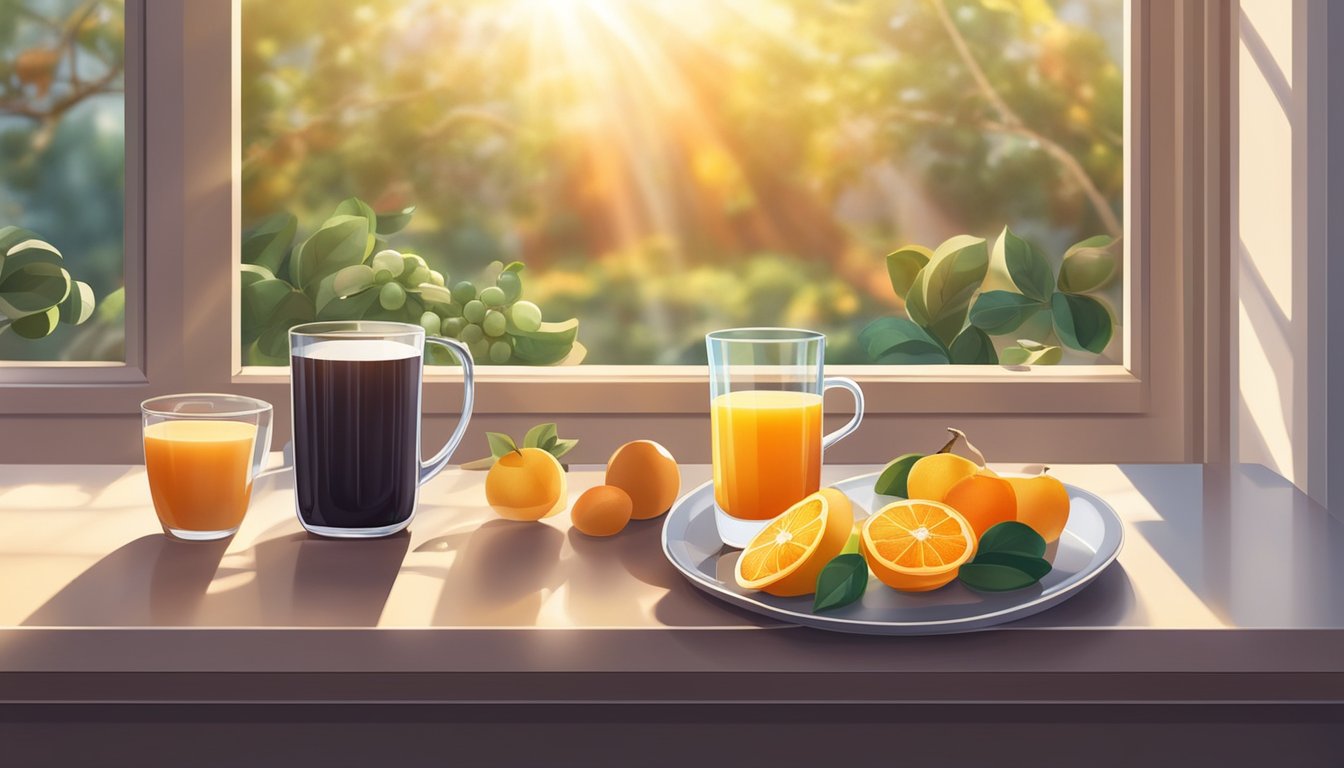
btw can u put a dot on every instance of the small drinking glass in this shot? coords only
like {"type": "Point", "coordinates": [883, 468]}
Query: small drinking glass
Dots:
{"type": "Point", "coordinates": [202, 452]}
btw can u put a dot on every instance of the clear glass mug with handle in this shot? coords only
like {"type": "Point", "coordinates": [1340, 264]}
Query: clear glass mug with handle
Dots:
{"type": "Point", "coordinates": [766, 387]}
{"type": "Point", "coordinates": [356, 409]}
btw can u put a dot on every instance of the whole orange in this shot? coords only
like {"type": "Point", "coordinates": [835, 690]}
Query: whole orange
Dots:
{"type": "Point", "coordinates": [984, 499]}
{"type": "Point", "coordinates": [645, 470]}
{"type": "Point", "coordinates": [526, 484]}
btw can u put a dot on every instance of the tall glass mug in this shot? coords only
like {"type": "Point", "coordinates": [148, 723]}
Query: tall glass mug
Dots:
{"type": "Point", "coordinates": [356, 403]}
{"type": "Point", "coordinates": [766, 388]}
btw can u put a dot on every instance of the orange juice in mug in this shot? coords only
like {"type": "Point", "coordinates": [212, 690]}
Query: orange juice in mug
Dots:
{"type": "Point", "coordinates": [766, 388]}
{"type": "Point", "coordinates": [767, 450]}
{"type": "Point", "coordinates": [202, 453]}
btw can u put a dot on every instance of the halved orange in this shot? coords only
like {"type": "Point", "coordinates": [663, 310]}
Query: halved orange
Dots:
{"type": "Point", "coordinates": [916, 546]}
{"type": "Point", "coordinates": [787, 555]}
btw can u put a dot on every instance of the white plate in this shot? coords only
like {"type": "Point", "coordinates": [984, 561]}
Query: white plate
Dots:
{"type": "Point", "coordinates": [1090, 542]}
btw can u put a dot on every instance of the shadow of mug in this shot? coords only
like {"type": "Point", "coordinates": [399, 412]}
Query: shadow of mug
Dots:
{"type": "Point", "coordinates": [498, 574]}
{"type": "Point", "coordinates": [331, 582]}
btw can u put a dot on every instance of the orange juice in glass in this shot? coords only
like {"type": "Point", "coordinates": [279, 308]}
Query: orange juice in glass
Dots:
{"type": "Point", "coordinates": [766, 388]}
{"type": "Point", "coordinates": [202, 453]}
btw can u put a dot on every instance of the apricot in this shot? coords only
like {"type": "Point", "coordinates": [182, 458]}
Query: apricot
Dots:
{"type": "Point", "coordinates": [933, 476]}
{"type": "Point", "coordinates": [1042, 503]}
{"type": "Point", "coordinates": [602, 511]}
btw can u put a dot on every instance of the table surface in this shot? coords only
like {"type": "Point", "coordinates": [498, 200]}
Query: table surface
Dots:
{"type": "Point", "coordinates": [1224, 571]}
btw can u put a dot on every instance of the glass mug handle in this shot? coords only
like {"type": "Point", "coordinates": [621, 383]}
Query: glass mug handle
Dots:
{"type": "Point", "coordinates": [840, 382]}
{"type": "Point", "coordinates": [435, 465]}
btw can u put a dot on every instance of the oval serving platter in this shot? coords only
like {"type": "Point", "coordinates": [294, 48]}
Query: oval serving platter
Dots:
{"type": "Point", "coordinates": [1090, 542]}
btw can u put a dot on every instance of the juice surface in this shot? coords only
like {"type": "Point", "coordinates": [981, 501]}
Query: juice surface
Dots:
{"type": "Point", "coordinates": [767, 451]}
{"type": "Point", "coordinates": [200, 472]}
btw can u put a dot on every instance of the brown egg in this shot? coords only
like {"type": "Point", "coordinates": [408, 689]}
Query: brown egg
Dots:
{"type": "Point", "coordinates": [601, 511]}
{"type": "Point", "coordinates": [646, 471]}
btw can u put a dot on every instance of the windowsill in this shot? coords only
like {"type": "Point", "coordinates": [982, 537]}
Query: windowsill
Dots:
{"type": "Point", "coordinates": [1207, 602]}
{"type": "Point", "coordinates": [1100, 389]}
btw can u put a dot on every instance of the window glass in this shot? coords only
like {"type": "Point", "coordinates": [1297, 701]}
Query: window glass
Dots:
{"type": "Point", "coordinates": [643, 171]}
{"type": "Point", "coordinates": [62, 177]}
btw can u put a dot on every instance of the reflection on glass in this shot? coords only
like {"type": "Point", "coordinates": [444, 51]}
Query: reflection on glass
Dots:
{"type": "Point", "coordinates": [668, 167]}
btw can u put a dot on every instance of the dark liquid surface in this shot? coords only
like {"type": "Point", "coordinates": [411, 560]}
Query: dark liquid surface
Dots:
{"type": "Point", "coordinates": [356, 435]}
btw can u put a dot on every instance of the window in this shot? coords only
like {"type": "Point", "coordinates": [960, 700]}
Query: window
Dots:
{"type": "Point", "coordinates": [660, 169]}
{"type": "Point", "coordinates": [187, 175]}
{"type": "Point", "coordinates": [62, 180]}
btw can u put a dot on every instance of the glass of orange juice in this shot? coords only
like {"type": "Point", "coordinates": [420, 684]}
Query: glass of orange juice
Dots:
{"type": "Point", "coordinates": [766, 388]}
{"type": "Point", "coordinates": [202, 452]}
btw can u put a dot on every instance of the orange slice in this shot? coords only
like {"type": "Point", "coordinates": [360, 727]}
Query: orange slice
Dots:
{"type": "Point", "coordinates": [916, 546]}
{"type": "Point", "coordinates": [786, 556]}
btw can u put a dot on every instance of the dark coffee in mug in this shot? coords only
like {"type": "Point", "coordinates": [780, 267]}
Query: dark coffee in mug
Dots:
{"type": "Point", "coordinates": [356, 394]}
{"type": "Point", "coordinates": [356, 433]}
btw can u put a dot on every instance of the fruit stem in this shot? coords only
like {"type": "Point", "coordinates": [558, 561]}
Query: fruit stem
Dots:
{"type": "Point", "coordinates": [955, 437]}
{"type": "Point", "coordinates": [969, 445]}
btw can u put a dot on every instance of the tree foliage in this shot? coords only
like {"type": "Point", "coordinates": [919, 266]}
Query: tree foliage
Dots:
{"type": "Point", "coordinates": [669, 167]}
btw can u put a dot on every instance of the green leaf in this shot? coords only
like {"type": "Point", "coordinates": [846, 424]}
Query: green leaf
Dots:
{"type": "Point", "coordinates": [1081, 322]}
{"type": "Point", "coordinates": [113, 306]}
{"type": "Point", "coordinates": [547, 345]}
{"type": "Point", "coordinates": [341, 242]}
{"type": "Point", "coordinates": [841, 582]}
{"type": "Point", "coordinates": [353, 206]}
{"type": "Point", "coordinates": [561, 447]}
{"type": "Point", "coordinates": [1013, 537]}
{"type": "Point", "coordinates": [32, 288]}
{"type": "Point", "coordinates": [514, 266]}
{"type": "Point", "coordinates": [540, 436]}
{"type": "Point", "coordinates": [349, 308]}
{"type": "Point", "coordinates": [892, 481]}
{"type": "Point", "coordinates": [941, 294]}
{"type": "Point", "coordinates": [38, 324]}
{"type": "Point", "coordinates": [1088, 265]}
{"type": "Point", "coordinates": [79, 305]}
{"type": "Point", "coordinates": [1035, 567]}
{"type": "Point", "coordinates": [268, 244]}
{"type": "Point", "coordinates": [994, 578]}
{"type": "Point", "coordinates": [903, 265]}
{"type": "Point", "coordinates": [899, 341]}
{"type": "Point", "coordinates": [251, 273]}
{"type": "Point", "coordinates": [351, 280]}
{"type": "Point", "coordinates": [1000, 312]}
{"type": "Point", "coordinates": [1041, 355]}
{"type": "Point", "coordinates": [973, 347]}
{"type": "Point", "coordinates": [394, 221]}
{"type": "Point", "coordinates": [272, 306]}
{"type": "Point", "coordinates": [12, 236]}
{"type": "Point", "coordinates": [1029, 270]}
{"type": "Point", "coordinates": [501, 444]}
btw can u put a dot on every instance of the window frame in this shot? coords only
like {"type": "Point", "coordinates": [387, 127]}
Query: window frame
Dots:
{"type": "Point", "coordinates": [1144, 410]}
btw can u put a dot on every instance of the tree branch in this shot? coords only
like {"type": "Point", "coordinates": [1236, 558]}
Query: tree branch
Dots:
{"type": "Point", "coordinates": [1009, 122]}
{"type": "Point", "coordinates": [79, 90]}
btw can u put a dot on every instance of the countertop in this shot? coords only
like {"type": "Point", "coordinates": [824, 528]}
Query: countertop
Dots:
{"type": "Point", "coordinates": [1230, 587]}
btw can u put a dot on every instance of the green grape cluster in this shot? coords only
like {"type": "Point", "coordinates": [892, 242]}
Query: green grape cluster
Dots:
{"type": "Point", "coordinates": [485, 319]}
{"type": "Point", "coordinates": [345, 271]}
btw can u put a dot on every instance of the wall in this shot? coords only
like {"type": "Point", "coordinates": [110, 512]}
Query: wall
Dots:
{"type": "Point", "coordinates": [1280, 254]}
